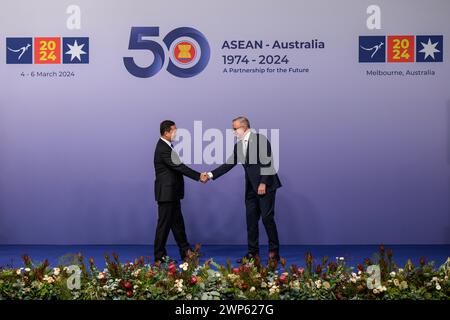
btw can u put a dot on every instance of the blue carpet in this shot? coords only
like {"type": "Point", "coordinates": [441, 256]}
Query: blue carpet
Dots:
{"type": "Point", "coordinates": [10, 255]}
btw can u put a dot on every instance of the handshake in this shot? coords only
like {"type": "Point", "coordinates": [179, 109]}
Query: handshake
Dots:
{"type": "Point", "coordinates": [204, 177]}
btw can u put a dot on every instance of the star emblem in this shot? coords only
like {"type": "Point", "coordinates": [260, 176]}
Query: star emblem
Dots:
{"type": "Point", "coordinates": [75, 51]}
{"type": "Point", "coordinates": [429, 49]}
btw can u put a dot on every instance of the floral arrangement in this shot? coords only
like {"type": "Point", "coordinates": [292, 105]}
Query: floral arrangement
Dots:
{"type": "Point", "coordinates": [190, 280]}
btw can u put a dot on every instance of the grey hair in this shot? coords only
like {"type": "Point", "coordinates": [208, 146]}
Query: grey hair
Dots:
{"type": "Point", "coordinates": [242, 119]}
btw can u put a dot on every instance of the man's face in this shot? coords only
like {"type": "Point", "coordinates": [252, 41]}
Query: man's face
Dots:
{"type": "Point", "coordinates": [239, 130]}
{"type": "Point", "coordinates": [172, 133]}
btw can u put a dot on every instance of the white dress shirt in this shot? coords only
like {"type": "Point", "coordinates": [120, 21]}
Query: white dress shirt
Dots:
{"type": "Point", "coordinates": [245, 143]}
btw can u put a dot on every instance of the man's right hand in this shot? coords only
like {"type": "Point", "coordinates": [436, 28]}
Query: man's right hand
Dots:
{"type": "Point", "coordinates": [204, 177]}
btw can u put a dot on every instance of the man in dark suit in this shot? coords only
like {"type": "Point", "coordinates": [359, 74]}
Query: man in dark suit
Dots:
{"type": "Point", "coordinates": [169, 190]}
{"type": "Point", "coordinates": [253, 151]}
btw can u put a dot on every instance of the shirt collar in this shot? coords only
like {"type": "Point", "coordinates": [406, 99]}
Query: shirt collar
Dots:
{"type": "Point", "coordinates": [166, 141]}
{"type": "Point", "coordinates": [247, 135]}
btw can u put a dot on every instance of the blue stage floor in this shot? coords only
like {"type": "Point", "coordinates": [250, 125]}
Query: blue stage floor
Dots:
{"type": "Point", "coordinates": [10, 255]}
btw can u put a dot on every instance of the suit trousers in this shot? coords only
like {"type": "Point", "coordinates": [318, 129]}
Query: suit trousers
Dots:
{"type": "Point", "coordinates": [260, 206]}
{"type": "Point", "coordinates": [170, 217]}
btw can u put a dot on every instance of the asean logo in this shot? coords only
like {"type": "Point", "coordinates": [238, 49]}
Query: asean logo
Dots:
{"type": "Point", "coordinates": [187, 49]}
{"type": "Point", "coordinates": [184, 52]}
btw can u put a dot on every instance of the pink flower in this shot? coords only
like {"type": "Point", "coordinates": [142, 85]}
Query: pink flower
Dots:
{"type": "Point", "coordinates": [300, 270]}
{"type": "Point", "coordinates": [193, 280]}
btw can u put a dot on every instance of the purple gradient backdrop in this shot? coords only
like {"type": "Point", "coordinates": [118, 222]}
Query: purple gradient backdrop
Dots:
{"type": "Point", "coordinates": [362, 160]}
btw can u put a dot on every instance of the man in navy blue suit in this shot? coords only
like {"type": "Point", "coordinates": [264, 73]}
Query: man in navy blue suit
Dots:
{"type": "Point", "coordinates": [253, 151]}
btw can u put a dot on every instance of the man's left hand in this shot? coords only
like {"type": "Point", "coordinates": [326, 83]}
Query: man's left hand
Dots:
{"type": "Point", "coordinates": [262, 189]}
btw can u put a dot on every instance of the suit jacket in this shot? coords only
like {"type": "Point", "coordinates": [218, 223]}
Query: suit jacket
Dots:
{"type": "Point", "coordinates": [169, 171]}
{"type": "Point", "coordinates": [258, 164]}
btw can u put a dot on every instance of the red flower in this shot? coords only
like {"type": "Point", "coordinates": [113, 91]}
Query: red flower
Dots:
{"type": "Point", "coordinates": [235, 270]}
{"type": "Point", "coordinates": [193, 280]}
{"type": "Point", "coordinates": [300, 271]}
{"type": "Point", "coordinates": [130, 294]}
{"type": "Point", "coordinates": [172, 268]}
{"type": "Point", "coordinates": [127, 285]}
{"type": "Point", "coordinates": [283, 278]}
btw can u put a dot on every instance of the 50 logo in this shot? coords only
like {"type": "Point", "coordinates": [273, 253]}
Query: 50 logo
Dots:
{"type": "Point", "coordinates": [188, 48]}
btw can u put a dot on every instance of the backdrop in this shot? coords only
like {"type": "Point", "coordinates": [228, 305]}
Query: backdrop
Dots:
{"type": "Point", "coordinates": [359, 96]}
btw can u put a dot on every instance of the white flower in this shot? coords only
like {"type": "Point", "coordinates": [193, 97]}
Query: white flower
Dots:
{"type": "Point", "coordinates": [396, 282]}
{"type": "Point", "coordinates": [27, 269]}
{"type": "Point", "coordinates": [318, 283]}
{"type": "Point", "coordinates": [56, 271]}
{"type": "Point", "coordinates": [19, 271]}
{"type": "Point", "coordinates": [136, 273]}
{"type": "Point", "coordinates": [274, 289]}
{"type": "Point", "coordinates": [184, 266]}
{"type": "Point", "coordinates": [392, 274]}
{"type": "Point", "coordinates": [295, 284]}
{"type": "Point", "coordinates": [326, 285]}
{"type": "Point", "coordinates": [353, 275]}
{"type": "Point", "coordinates": [178, 285]}
{"type": "Point", "coordinates": [48, 279]}
{"type": "Point", "coordinates": [375, 291]}
{"type": "Point", "coordinates": [438, 287]}
{"type": "Point", "coordinates": [101, 275]}
{"type": "Point", "coordinates": [263, 284]}
{"type": "Point", "coordinates": [359, 272]}
{"type": "Point", "coordinates": [341, 258]}
{"type": "Point", "coordinates": [404, 285]}
{"type": "Point", "coordinates": [400, 270]}
{"type": "Point", "coordinates": [252, 289]}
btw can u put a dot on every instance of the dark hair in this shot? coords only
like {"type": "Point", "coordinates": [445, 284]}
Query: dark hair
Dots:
{"type": "Point", "coordinates": [165, 126]}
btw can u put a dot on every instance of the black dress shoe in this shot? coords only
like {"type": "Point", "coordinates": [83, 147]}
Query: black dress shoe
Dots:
{"type": "Point", "coordinates": [248, 256]}
{"type": "Point", "coordinates": [168, 260]}
{"type": "Point", "coordinates": [185, 254]}
{"type": "Point", "coordinates": [274, 256]}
